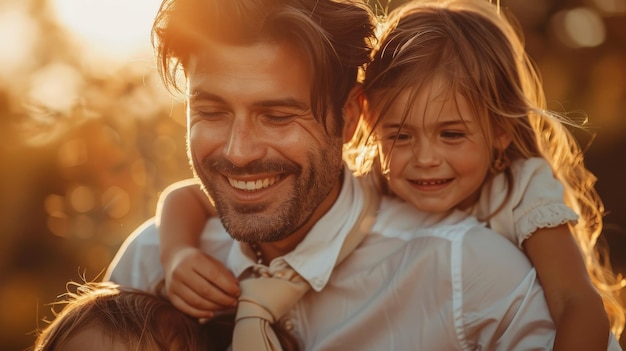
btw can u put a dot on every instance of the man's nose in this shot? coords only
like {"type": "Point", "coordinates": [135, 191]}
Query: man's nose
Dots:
{"type": "Point", "coordinates": [244, 142]}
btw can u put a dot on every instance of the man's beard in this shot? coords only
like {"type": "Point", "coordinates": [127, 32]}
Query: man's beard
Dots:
{"type": "Point", "coordinates": [273, 220]}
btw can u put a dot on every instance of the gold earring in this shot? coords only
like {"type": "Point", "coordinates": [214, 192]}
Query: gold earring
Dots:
{"type": "Point", "coordinates": [500, 163]}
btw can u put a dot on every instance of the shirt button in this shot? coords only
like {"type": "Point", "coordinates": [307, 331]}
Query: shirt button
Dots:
{"type": "Point", "coordinates": [288, 325]}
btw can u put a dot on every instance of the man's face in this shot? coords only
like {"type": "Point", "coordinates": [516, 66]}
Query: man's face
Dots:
{"type": "Point", "coordinates": [267, 163]}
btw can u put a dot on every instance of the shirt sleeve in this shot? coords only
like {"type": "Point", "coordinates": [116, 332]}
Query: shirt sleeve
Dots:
{"type": "Point", "coordinates": [536, 201]}
{"type": "Point", "coordinates": [502, 303]}
{"type": "Point", "coordinates": [137, 263]}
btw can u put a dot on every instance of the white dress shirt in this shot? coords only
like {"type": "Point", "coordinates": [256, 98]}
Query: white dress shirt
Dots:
{"type": "Point", "coordinates": [417, 282]}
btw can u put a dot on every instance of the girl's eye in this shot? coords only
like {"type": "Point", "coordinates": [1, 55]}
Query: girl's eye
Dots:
{"type": "Point", "coordinates": [397, 137]}
{"type": "Point", "coordinates": [449, 134]}
{"type": "Point", "coordinates": [403, 136]}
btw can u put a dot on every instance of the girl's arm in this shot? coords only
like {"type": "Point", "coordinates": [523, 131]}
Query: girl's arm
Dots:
{"type": "Point", "coordinates": [196, 284]}
{"type": "Point", "coordinates": [182, 209]}
{"type": "Point", "coordinates": [575, 305]}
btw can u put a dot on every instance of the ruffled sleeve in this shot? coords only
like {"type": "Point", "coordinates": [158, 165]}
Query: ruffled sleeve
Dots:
{"type": "Point", "coordinates": [536, 201]}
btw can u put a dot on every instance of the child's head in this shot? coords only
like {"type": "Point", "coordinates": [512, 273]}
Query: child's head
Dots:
{"type": "Point", "coordinates": [449, 93]}
{"type": "Point", "coordinates": [102, 316]}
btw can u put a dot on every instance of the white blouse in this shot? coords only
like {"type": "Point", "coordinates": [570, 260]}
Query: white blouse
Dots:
{"type": "Point", "coordinates": [536, 201]}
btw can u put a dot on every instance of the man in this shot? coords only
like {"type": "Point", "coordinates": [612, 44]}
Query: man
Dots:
{"type": "Point", "coordinates": [269, 107]}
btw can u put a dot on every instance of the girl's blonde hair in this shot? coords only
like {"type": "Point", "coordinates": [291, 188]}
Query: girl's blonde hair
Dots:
{"type": "Point", "coordinates": [477, 52]}
{"type": "Point", "coordinates": [137, 319]}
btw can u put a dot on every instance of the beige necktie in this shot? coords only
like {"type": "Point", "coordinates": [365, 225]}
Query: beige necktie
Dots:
{"type": "Point", "coordinates": [264, 300]}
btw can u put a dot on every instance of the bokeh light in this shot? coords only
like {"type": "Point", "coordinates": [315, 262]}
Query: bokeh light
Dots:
{"type": "Point", "coordinates": [18, 37]}
{"type": "Point", "coordinates": [579, 28]}
{"type": "Point", "coordinates": [81, 199]}
{"type": "Point", "coordinates": [116, 202]}
{"type": "Point", "coordinates": [56, 86]}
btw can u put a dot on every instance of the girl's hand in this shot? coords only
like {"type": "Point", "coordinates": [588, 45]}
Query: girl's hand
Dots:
{"type": "Point", "coordinates": [199, 285]}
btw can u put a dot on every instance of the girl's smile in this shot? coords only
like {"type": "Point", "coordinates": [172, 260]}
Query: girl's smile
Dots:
{"type": "Point", "coordinates": [430, 185]}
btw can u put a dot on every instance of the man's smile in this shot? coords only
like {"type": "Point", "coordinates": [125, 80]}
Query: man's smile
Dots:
{"type": "Point", "coordinates": [253, 185]}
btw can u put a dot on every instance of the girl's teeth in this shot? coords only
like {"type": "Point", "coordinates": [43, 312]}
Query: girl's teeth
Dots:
{"type": "Point", "coordinates": [434, 182]}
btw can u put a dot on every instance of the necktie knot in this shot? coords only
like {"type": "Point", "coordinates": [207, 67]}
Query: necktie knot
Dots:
{"type": "Point", "coordinates": [270, 297]}
{"type": "Point", "coordinates": [263, 301]}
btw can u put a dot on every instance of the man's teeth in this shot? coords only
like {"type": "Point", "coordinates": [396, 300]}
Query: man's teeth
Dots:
{"type": "Point", "coordinates": [252, 184]}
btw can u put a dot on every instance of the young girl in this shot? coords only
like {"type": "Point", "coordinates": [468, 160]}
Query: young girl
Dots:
{"type": "Point", "coordinates": [101, 316]}
{"type": "Point", "coordinates": [454, 117]}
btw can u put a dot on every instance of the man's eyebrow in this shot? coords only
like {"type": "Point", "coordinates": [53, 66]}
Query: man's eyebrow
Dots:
{"type": "Point", "coordinates": [286, 102]}
{"type": "Point", "coordinates": [203, 95]}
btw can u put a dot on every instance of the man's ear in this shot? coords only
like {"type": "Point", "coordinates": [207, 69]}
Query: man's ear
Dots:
{"type": "Point", "coordinates": [352, 112]}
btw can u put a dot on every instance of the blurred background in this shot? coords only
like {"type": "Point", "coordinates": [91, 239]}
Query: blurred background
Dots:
{"type": "Point", "coordinates": [90, 137]}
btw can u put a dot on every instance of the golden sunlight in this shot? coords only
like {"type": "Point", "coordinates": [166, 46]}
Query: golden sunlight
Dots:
{"type": "Point", "coordinates": [115, 29]}
{"type": "Point", "coordinates": [18, 37]}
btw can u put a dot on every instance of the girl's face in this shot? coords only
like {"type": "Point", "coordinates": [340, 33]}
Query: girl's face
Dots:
{"type": "Point", "coordinates": [438, 158]}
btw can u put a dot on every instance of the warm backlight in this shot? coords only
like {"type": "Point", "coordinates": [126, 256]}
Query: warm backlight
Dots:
{"type": "Point", "coordinates": [114, 28]}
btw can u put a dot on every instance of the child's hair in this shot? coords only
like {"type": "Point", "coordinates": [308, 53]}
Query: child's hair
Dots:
{"type": "Point", "coordinates": [137, 319]}
{"type": "Point", "coordinates": [472, 48]}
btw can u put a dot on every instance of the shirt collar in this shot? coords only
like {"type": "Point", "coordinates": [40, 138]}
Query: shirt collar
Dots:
{"type": "Point", "coordinates": [314, 258]}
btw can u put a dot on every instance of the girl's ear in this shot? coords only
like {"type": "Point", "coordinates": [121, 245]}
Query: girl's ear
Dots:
{"type": "Point", "coordinates": [502, 140]}
{"type": "Point", "coordinates": [352, 112]}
